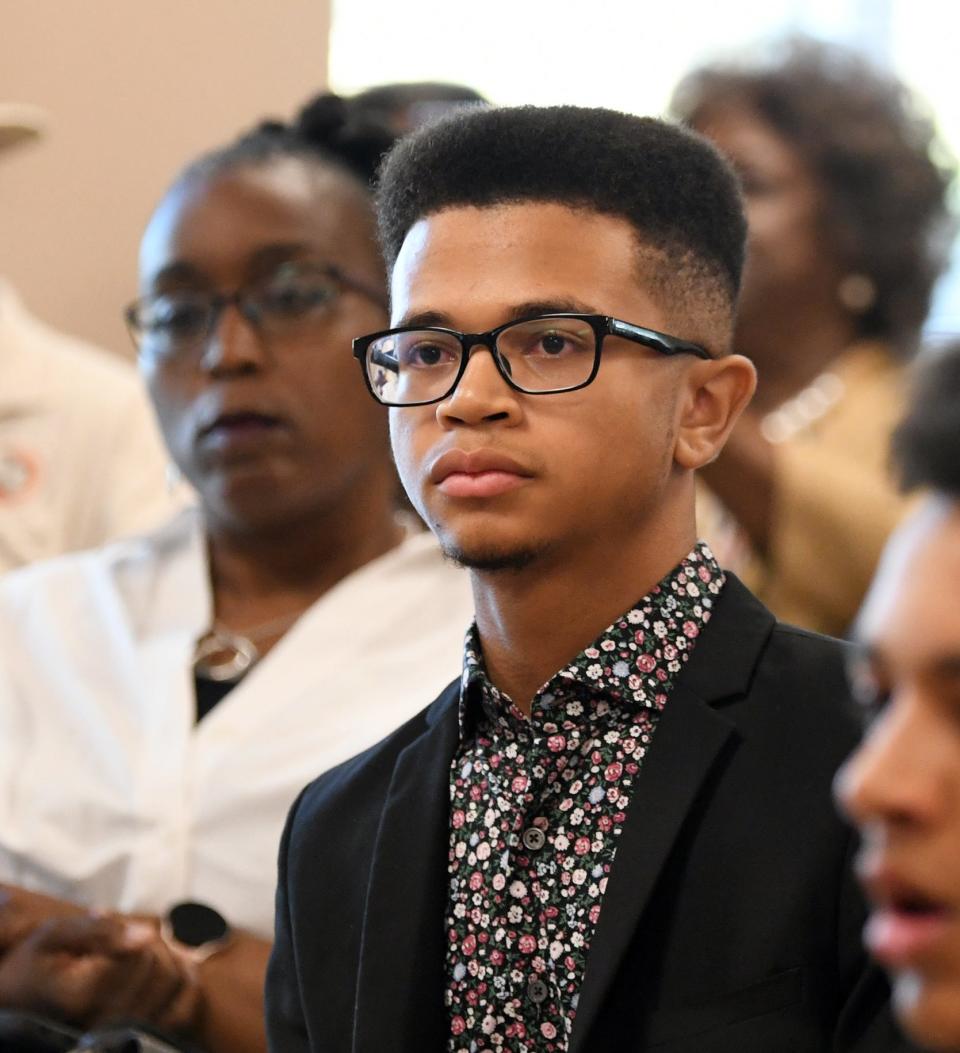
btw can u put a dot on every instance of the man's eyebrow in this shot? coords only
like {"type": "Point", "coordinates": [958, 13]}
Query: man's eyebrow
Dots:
{"type": "Point", "coordinates": [425, 318]}
{"type": "Point", "coordinates": [562, 305]}
{"type": "Point", "coordinates": [515, 313]}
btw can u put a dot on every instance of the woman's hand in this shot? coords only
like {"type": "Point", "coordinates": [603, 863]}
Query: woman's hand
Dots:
{"type": "Point", "coordinates": [22, 911]}
{"type": "Point", "coordinates": [90, 970]}
{"type": "Point", "coordinates": [61, 960]}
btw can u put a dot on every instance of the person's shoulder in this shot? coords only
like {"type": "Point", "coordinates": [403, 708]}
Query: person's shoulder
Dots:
{"type": "Point", "coordinates": [428, 594]}
{"type": "Point", "coordinates": [357, 786]}
{"type": "Point", "coordinates": [807, 644]}
{"type": "Point", "coordinates": [809, 662]}
{"type": "Point", "coordinates": [83, 573]}
{"type": "Point", "coordinates": [806, 658]}
{"type": "Point", "coordinates": [788, 680]}
{"type": "Point", "coordinates": [802, 680]}
{"type": "Point", "coordinates": [419, 553]}
{"type": "Point", "coordinates": [742, 617]}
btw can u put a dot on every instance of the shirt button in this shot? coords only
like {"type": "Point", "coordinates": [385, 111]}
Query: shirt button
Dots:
{"type": "Point", "coordinates": [534, 838]}
{"type": "Point", "coordinates": [537, 991]}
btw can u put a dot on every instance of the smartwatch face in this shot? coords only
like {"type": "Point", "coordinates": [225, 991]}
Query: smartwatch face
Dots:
{"type": "Point", "coordinates": [195, 924]}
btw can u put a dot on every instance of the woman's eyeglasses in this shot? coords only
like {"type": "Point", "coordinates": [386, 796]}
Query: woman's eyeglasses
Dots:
{"type": "Point", "coordinates": [176, 325]}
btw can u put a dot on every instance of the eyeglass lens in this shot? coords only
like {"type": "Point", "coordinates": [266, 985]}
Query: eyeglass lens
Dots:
{"type": "Point", "coordinates": [182, 319]}
{"type": "Point", "coordinates": [542, 354]}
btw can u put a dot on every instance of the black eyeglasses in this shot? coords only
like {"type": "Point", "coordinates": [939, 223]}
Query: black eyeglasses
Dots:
{"type": "Point", "coordinates": [176, 325]}
{"type": "Point", "coordinates": [546, 355]}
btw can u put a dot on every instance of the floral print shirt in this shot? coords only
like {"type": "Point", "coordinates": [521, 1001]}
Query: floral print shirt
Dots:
{"type": "Point", "coordinates": [536, 806]}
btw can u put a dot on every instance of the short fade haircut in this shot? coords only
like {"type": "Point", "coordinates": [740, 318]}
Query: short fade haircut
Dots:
{"type": "Point", "coordinates": [926, 445]}
{"type": "Point", "coordinates": [667, 182]}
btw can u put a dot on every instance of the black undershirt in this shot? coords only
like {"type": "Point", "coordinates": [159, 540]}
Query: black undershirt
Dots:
{"type": "Point", "coordinates": [210, 692]}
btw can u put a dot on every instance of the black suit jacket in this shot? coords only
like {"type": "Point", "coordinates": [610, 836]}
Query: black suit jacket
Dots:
{"type": "Point", "coordinates": [731, 921]}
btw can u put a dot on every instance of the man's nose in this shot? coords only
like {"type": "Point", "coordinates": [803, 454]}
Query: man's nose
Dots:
{"type": "Point", "coordinates": [482, 394]}
{"type": "Point", "coordinates": [892, 777]}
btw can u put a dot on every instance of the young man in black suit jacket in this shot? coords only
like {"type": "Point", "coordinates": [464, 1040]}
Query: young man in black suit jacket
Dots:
{"type": "Point", "coordinates": [615, 830]}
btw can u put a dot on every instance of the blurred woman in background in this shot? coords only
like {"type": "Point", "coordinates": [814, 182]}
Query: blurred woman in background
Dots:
{"type": "Point", "coordinates": [848, 231]}
{"type": "Point", "coordinates": [174, 693]}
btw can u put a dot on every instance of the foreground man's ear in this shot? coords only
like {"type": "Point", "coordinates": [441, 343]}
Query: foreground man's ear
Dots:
{"type": "Point", "coordinates": [714, 395]}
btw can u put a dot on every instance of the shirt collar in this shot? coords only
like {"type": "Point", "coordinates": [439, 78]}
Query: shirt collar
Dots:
{"type": "Point", "coordinates": [634, 661]}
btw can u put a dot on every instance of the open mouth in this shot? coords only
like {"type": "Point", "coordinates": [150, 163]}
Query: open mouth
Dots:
{"type": "Point", "coordinates": [905, 926]}
{"type": "Point", "coordinates": [916, 906]}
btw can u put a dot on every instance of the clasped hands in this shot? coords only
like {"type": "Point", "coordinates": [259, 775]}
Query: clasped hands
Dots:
{"type": "Point", "coordinates": [88, 968]}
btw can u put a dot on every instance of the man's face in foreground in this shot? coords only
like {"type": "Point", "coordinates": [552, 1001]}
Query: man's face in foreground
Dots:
{"type": "Point", "coordinates": [574, 467]}
{"type": "Point", "coordinates": [902, 786]}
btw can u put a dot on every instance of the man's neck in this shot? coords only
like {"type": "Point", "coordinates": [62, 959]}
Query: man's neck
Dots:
{"type": "Point", "coordinates": [533, 621]}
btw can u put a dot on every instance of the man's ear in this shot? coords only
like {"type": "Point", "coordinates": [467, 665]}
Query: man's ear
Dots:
{"type": "Point", "coordinates": [716, 393]}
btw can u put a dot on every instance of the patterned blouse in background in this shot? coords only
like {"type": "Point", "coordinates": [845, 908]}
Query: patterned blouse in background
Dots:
{"type": "Point", "coordinates": [536, 807]}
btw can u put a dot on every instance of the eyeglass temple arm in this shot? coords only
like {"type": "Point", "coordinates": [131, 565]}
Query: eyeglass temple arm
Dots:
{"type": "Point", "coordinates": [664, 344]}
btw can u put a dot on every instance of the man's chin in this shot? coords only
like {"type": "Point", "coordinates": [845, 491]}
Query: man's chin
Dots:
{"type": "Point", "coordinates": [928, 1010]}
{"type": "Point", "coordinates": [491, 559]}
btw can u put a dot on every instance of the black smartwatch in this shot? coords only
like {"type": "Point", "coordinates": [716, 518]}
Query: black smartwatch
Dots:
{"type": "Point", "coordinates": [195, 930]}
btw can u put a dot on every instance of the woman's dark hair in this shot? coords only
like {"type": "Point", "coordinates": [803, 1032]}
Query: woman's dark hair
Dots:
{"type": "Point", "coordinates": [330, 128]}
{"type": "Point", "coordinates": [882, 170]}
{"type": "Point", "coordinates": [406, 107]}
{"type": "Point", "coordinates": [926, 446]}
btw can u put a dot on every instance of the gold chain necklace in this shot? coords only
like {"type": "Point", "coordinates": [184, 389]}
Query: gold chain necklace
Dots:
{"type": "Point", "coordinates": [226, 656]}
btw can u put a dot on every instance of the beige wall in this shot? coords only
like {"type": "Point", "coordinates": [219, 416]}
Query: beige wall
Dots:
{"type": "Point", "coordinates": [134, 88]}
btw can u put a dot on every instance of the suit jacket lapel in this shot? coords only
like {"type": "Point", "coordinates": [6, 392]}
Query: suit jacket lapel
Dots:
{"type": "Point", "coordinates": [399, 1003]}
{"type": "Point", "coordinates": [690, 739]}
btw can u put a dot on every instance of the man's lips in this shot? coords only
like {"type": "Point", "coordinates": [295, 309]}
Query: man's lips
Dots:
{"type": "Point", "coordinates": [899, 938]}
{"type": "Point", "coordinates": [907, 921]}
{"type": "Point", "coordinates": [481, 473]}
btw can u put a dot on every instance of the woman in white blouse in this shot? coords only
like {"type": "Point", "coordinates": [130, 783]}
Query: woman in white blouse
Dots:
{"type": "Point", "coordinates": [163, 700]}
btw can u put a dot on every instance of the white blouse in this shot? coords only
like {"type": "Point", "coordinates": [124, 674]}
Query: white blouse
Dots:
{"type": "Point", "coordinates": [112, 795]}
